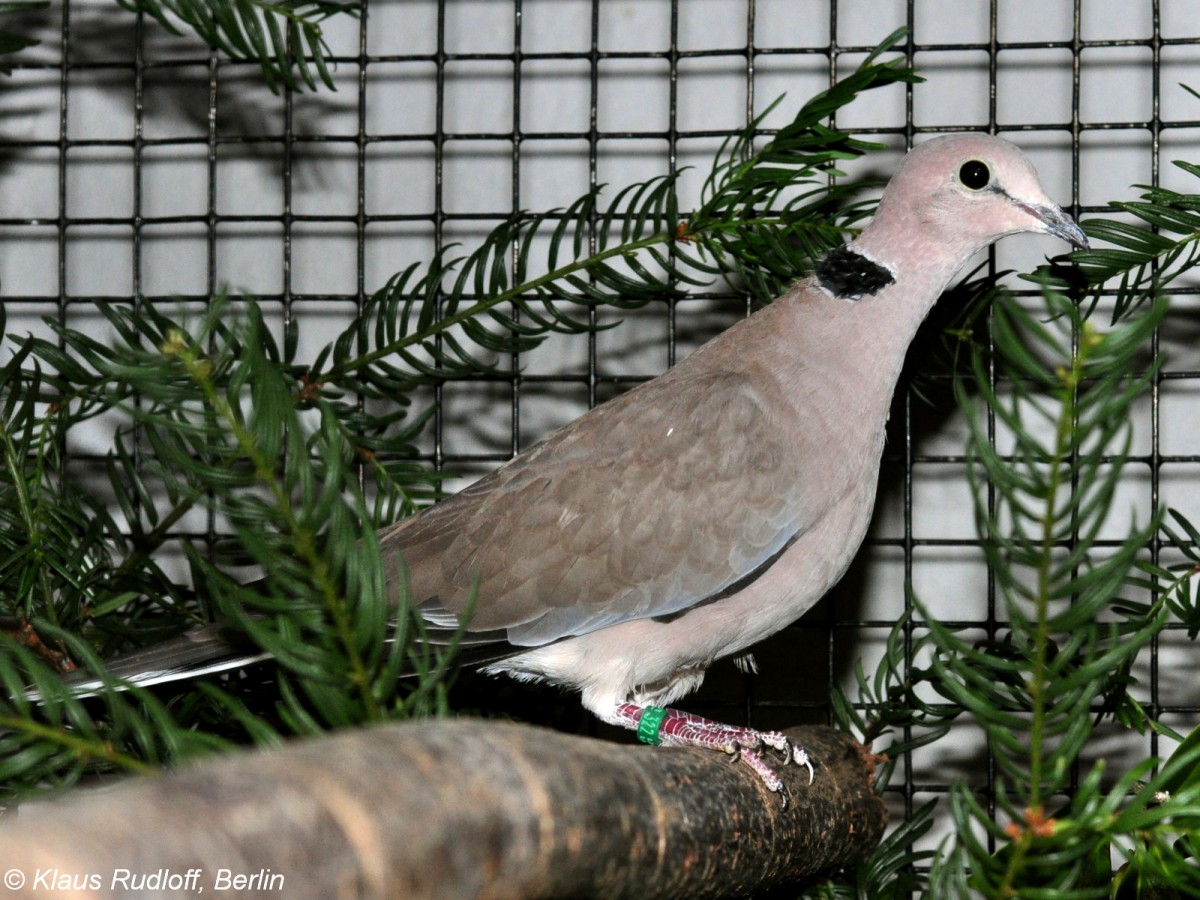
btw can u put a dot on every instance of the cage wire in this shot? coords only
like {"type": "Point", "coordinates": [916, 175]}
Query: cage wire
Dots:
{"type": "Point", "coordinates": [137, 164]}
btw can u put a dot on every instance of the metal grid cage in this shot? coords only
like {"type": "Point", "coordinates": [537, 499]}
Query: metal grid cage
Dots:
{"type": "Point", "coordinates": [137, 165]}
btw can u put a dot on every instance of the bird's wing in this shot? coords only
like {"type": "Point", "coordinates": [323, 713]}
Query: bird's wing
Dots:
{"type": "Point", "coordinates": [644, 507]}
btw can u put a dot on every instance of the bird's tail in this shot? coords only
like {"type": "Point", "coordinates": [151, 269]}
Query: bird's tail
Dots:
{"type": "Point", "coordinates": [206, 650]}
{"type": "Point", "coordinates": [215, 648]}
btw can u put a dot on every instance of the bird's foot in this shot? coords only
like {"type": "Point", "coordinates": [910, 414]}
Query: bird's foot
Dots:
{"type": "Point", "coordinates": [673, 727]}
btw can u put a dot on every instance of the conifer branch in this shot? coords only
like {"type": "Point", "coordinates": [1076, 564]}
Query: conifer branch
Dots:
{"type": "Point", "coordinates": [283, 36]}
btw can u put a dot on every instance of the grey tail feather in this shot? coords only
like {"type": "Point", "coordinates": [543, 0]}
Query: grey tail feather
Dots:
{"type": "Point", "coordinates": [205, 650]}
{"type": "Point", "coordinates": [215, 648]}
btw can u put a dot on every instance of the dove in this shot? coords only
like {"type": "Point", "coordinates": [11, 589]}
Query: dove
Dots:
{"type": "Point", "coordinates": [706, 509]}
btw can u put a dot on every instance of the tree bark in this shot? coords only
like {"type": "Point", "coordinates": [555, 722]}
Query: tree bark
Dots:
{"type": "Point", "coordinates": [454, 809]}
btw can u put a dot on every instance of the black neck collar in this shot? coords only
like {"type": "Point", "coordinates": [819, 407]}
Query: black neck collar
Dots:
{"type": "Point", "coordinates": [849, 275]}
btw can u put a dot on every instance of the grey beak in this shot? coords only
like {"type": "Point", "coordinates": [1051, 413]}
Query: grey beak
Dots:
{"type": "Point", "coordinates": [1059, 224]}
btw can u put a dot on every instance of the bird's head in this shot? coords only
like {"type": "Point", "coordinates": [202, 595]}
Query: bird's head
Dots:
{"type": "Point", "coordinates": [962, 192]}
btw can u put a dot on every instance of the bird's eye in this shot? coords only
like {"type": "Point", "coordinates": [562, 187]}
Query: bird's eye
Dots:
{"type": "Point", "coordinates": [974, 175]}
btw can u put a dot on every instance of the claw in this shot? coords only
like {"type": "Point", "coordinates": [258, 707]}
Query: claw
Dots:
{"type": "Point", "coordinates": [777, 742]}
{"type": "Point", "coordinates": [803, 759]}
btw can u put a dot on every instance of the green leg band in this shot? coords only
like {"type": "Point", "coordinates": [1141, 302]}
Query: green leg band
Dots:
{"type": "Point", "coordinates": [650, 723]}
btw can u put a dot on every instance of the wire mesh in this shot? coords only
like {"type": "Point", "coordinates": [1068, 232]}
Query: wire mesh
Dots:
{"type": "Point", "coordinates": [138, 168]}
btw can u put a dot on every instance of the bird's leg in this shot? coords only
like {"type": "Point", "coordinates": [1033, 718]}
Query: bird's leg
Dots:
{"type": "Point", "coordinates": [673, 727]}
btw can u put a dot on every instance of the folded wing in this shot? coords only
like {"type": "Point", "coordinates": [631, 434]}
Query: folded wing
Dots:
{"type": "Point", "coordinates": [648, 505]}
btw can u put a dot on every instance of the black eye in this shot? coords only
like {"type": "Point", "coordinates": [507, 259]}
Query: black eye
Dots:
{"type": "Point", "coordinates": [974, 174]}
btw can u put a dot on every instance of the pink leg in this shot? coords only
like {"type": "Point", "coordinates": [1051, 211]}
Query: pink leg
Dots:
{"type": "Point", "coordinates": [678, 728]}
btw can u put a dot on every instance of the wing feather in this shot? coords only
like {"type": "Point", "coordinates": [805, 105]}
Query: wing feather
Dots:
{"type": "Point", "coordinates": [628, 512]}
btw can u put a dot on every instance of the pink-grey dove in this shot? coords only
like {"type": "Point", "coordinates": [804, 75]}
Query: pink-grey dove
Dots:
{"type": "Point", "coordinates": [704, 510]}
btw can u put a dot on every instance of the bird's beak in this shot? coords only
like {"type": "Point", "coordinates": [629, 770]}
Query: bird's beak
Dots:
{"type": "Point", "coordinates": [1059, 224]}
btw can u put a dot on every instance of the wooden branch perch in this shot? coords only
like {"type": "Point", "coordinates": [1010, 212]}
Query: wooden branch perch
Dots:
{"type": "Point", "coordinates": [453, 809]}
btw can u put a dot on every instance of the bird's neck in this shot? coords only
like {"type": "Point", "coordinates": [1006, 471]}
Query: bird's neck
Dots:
{"type": "Point", "coordinates": [880, 326]}
{"type": "Point", "coordinates": [855, 349]}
